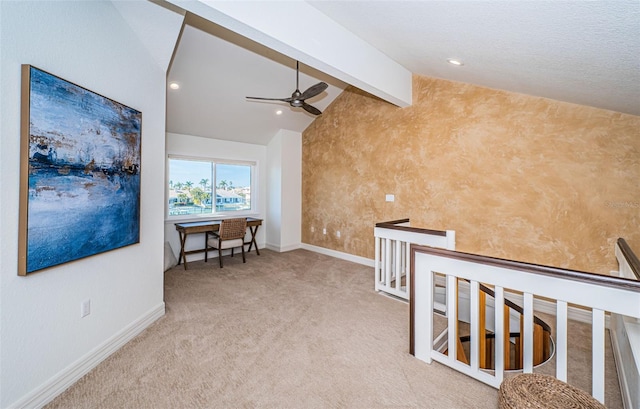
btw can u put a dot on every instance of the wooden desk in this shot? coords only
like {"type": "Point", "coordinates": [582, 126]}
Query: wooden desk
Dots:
{"type": "Point", "coordinates": [185, 229]}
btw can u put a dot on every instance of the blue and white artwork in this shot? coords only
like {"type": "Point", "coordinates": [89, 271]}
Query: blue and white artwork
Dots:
{"type": "Point", "coordinates": [84, 173]}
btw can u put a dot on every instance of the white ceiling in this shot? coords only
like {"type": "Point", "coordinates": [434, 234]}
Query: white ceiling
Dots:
{"type": "Point", "coordinates": [216, 69]}
{"type": "Point", "coordinates": [582, 52]}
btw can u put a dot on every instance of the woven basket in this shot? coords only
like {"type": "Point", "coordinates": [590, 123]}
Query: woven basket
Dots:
{"type": "Point", "coordinates": [542, 391]}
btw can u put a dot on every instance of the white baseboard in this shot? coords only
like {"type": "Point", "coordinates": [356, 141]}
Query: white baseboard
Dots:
{"type": "Point", "coordinates": [70, 375]}
{"type": "Point", "coordinates": [282, 249]}
{"type": "Point", "coordinates": [338, 254]}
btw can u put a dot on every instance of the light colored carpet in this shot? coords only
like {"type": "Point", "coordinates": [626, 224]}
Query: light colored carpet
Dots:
{"type": "Point", "coordinates": [284, 330]}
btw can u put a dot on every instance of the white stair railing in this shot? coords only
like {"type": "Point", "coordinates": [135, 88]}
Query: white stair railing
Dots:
{"type": "Point", "coordinates": [625, 334]}
{"type": "Point", "coordinates": [392, 253]}
{"type": "Point", "coordinates": [596, 293]}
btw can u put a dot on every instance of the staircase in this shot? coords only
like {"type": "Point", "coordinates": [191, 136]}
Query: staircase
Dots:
{"type": "Point", "coordinates": [565, 293]}
{"type": "Point", "coordinates": [543, 345]}
{"type": "Point", "coordinates": [460, 292]}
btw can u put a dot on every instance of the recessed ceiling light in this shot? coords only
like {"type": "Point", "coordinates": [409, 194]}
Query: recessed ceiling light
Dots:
{"type": "Point", "coordinates": [174, 85]}
{"type": "Point", "coordinates": [454, 62]}
{"type": "Point", "coordinates": [279, 112]}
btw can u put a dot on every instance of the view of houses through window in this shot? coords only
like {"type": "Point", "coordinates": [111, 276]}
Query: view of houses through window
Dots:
{"type": "Point", "coordinates": [193, 183]}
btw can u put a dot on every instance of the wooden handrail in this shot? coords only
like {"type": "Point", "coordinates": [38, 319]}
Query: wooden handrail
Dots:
{"type": "Point", "coordinates": [574, 275]}
{"type": "Point", "coordinates": [598, 294]}
{"type": "Point", "coordinates": [516, 307]}
{"type": "Point", "coordinates": [630, 256]}
{"type": "Point", "coordinates": [511, 304]}
{"type": "Point", "coordinates": [393, 222]}
{"type": "Point", "coordinates": [541, 334]}
{"type": "Point", "coordinates": [394, 225]}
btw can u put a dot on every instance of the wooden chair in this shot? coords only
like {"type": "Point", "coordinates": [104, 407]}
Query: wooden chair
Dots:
{"type": "Point", "coordinates": [229, 236]}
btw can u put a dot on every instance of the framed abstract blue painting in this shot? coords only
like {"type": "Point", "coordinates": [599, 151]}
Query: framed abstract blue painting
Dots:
{"type": "Point", "coordinates": [80, 173]}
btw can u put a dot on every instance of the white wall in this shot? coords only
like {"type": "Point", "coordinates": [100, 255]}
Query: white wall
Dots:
{"type": "Point", "coordinates": [42, 338]}
{"type": "Point", "coordinates": [284, 206]}
{"type": "Point", "coordinates": [274, 184]}
{"type": "Point", "coordinates": [291, 190]}
{"type": "Point", "coordinates": [196, 146]}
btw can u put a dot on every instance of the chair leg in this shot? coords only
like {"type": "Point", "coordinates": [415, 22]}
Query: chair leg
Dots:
{"type": "Point", "coordinates": [220, 255]}
{"type": "Point", "coordinates": [206, 247]}
{"type": "Point", "coordinates": [243, 259]}
{"type": "Point", "coordinates": [231, 251]}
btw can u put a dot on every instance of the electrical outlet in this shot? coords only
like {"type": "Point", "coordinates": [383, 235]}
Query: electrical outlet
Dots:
{"type": "Point", "coordinates": [85, 308]}
{"type": "Point", "coordinates": [324, 231]}
{"type": "Point", "coordinates": [338, 234]}
{"type": "Point", "coordinates": [313, 229]}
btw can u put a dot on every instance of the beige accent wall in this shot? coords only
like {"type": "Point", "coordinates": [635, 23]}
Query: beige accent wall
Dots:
{"type": "Point", "coordinates": [515, 176]}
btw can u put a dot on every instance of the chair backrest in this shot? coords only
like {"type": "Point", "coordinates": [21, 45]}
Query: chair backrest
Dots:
{"type": "Point", "coordinates": [231, 229]}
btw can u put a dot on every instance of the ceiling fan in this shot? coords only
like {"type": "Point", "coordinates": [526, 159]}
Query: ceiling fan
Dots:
{"type": "Point", "coordinates": [297, 98]}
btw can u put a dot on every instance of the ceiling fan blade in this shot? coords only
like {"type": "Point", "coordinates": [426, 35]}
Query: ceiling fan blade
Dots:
{"type": "Point", "coordinates": [289, 99]}
{"type": "Point", "coordinates": [297, 98]}
{"type": "Point", "coordinates": [311, 109]}
{"type": "Point", "coordinates": [314, 90]}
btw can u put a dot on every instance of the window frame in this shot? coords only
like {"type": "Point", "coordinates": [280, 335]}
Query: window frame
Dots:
{"type": "Point", "coordinates": [253, 165]}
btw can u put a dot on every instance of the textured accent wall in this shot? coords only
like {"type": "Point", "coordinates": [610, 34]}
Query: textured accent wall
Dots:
{"type": "Point", "coordinates": [517, 177]}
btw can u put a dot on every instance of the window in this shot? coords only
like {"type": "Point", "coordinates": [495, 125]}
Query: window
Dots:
{"type": "Point", "coordinates": [200, 186]}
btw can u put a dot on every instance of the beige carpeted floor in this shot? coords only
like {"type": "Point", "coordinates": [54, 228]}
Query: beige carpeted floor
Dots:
{"type": "Point", "coordinates": [284, 330]}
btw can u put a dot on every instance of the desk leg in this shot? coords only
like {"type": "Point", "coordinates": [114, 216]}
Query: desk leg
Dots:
{"type": "Point", "coordinates": [182, 256]}
{"type": "Point", "coordinates": [253, 231]}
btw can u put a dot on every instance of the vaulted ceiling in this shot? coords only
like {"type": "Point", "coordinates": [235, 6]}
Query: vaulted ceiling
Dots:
{"type": "Point", "coordinates": [580, 52]}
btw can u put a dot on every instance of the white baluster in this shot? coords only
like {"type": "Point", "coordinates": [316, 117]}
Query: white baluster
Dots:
{"type": "Point", "coordinates": [528, 333]}
{"type": "Point", "coordinates": [597, 351]}
{"type": "Point", "coordinates": [498, 329]}
{"type": "Point", "coordinates": [387, 262]}
{"type": "Point", "coordinates": [408, 268]}
{"type": "Point", "coordinates": [561, 340]}
{"type": "Point", "coordinates": [423, 314]}
{"type": "Point", "coordinates": [376, 267]}
{"type": "Point", "coordinates": [398, 264]}
{"type": "Point", "coordinates": [475, 327]}
{"type": "Point", "coordinates": [452, 315]}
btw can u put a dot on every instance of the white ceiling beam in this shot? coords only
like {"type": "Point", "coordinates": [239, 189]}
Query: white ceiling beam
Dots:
{"type": "Point", "coordinates": [299, 31]}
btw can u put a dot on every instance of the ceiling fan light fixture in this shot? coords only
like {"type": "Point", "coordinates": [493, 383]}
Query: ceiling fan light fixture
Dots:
{"type": "Point", "coordinates": [454, 61]}
{"type": "Point", "coordinates": [297, 98]}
